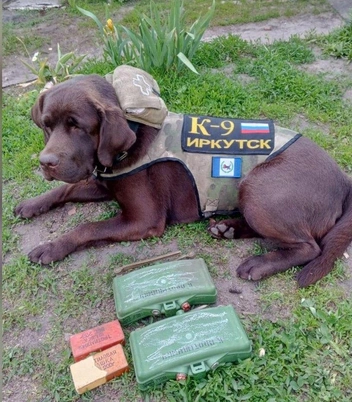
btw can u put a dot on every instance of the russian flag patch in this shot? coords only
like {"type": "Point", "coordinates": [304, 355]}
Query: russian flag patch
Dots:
{"type": "Point", "coordinates": [255, 128]}
{"type": "Point", "coordinates": [226, 167]}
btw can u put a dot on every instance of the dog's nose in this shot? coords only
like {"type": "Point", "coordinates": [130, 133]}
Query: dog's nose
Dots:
{"type": "Point", "coordinates": [48, 160]}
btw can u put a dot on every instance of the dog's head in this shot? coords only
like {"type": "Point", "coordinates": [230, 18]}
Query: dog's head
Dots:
{"type": "Point", "coordinates": [83, 125]}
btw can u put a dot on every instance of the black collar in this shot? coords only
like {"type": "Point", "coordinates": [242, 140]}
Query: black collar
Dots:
{"type": "Point", "coordinates": [102, 172]}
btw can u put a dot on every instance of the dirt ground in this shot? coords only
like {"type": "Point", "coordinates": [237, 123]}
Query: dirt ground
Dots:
{"type": "Point", "coordinates": [245, 296]}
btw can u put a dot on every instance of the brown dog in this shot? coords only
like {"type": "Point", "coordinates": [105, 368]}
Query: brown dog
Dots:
{"type": "Point", "coordinates": [300, 198]}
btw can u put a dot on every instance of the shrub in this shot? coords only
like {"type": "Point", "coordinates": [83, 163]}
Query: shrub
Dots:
{"type": "Point", "coordinates": [163, 41]}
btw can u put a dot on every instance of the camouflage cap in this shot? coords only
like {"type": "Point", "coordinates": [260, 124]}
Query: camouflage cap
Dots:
{"type": "Point", "coordinates": [138, 95]}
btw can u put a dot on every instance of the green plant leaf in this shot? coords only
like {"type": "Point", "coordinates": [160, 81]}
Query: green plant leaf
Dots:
{"type": "Point", "coordinates": [31, 68]}
{"type": "Point", "coordinates": [185, 60]}
{"type": "Point", "coordinates": [162, 42]}
{"type": "Point", "coordinates": [77, 62]}
{"type": "Point", "coordinates": [62, 61]}
{"type": "Point", "coordinates": [93, 17]}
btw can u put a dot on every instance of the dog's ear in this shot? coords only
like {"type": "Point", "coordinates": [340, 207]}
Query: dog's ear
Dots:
{"type": "Point", "coordinates": [115, 135]}
{"type": "Point", "coordinates": [37, 109]}
{"type": "Point", "coordinates": [36, 113]}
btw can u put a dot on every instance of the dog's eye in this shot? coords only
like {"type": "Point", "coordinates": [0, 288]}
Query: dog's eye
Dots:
{"type": "Point", "coordinates": [47, 129]}
{"type": "Point", "coordinates": [71, 122]}
{"type": "Point", "coordinates": [46, 124]}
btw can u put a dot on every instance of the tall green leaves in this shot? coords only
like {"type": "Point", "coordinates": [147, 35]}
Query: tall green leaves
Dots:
{"type": "Point", "coordinates": [163, 41]}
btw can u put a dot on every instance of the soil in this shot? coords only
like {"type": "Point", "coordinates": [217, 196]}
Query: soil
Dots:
{"type": "Point", "coordinates": [231, 290]}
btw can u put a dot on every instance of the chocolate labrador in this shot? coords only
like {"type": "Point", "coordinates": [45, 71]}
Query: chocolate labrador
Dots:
{"type": "Point", "coordinates": [298, 198]}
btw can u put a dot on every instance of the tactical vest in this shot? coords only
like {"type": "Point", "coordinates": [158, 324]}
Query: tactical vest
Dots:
{"type": "Point", "coordinates": [217, 153]}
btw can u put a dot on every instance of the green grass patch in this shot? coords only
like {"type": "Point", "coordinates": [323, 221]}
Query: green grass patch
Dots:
{"type": "Point", "coordinates": [232, 12]}
{"type": "Point", "coordinates": [22, 140]}
{"type": "Point", "coordinates": [12, 44]}
{"type": "Point", "coordinates": [339, 43]}
{"type": "Point", "coordinates": [79, 285]}
{"type": "Point", "coordinates": [302, 357]}
{"type": "Point", "coordinates": [220, 52]}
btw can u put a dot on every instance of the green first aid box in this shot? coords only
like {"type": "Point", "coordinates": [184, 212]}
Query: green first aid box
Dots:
{"type": "Point", "coordinates": [188, 345]}
{"type": "Point", "coordinates": [162, 289]}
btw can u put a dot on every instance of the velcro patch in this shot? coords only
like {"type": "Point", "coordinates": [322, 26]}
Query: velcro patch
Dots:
{"type": "Point", "coordinates": [202, 134]}
{"type": "Point", "coordinates": [226, 167]}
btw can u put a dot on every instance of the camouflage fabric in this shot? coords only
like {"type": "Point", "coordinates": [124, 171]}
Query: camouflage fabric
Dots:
{"type": "Point", "coordinates": [138, 95]}
{"type": "Point", "coordinates": [216, 195]}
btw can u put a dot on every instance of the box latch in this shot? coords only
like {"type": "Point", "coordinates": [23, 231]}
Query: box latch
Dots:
{"type": "Point", "coordinates": [198, 369]}
{"type": "Point", "coordinates": [170, 308]}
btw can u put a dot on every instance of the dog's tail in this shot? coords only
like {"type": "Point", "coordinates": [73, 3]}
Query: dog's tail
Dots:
{"type": "Point", "coordinates": [333, 245]}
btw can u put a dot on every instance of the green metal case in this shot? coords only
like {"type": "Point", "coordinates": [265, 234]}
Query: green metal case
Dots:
{"type": "Point", "coordinates": [162, 289]}
{"type": "Point", "coordinates": [188, 345]}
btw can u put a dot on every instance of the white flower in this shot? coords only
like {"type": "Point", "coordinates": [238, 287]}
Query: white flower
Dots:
{"type": "Point", "coordinates": [261, 352]}
{"type": "Point", "coordinates": [35, 56]}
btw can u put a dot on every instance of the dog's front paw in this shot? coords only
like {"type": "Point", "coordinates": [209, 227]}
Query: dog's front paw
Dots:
{"type": "Point", "coordinates": [30, 208]}
{"type": "Point", "coordinates": [247, 270]}
{"type": "Point", "coordinates": [311, 273]}
{"type": "Point", "coordinates": [220, 230]}
{"type": "Point", "coordinates": [304, 278]}
{"type": "Point", "coordinates": [47, 252]}
{"type": "Point", "coordinates": [254, 268]}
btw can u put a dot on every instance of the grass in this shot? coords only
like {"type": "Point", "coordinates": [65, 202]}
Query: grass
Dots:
{"type": "Point", "coordinates": [305, 332]}
{"type": "Point", "coordinates": [12, 45]}
{"type": "Point", "coordinates": [279, 374]}
{"type": "Point", "coordinates": [226, 13]}
{"type": "Point", "coordinates": [339, 43]}
{"type": "Point", "coordinates": [230, 12]}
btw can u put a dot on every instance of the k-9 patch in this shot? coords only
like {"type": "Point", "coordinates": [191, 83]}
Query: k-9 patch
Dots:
{"type": "Point", "coordinates": [226, 167]}
{"type": "Point", "coordinates": [216, 135]}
